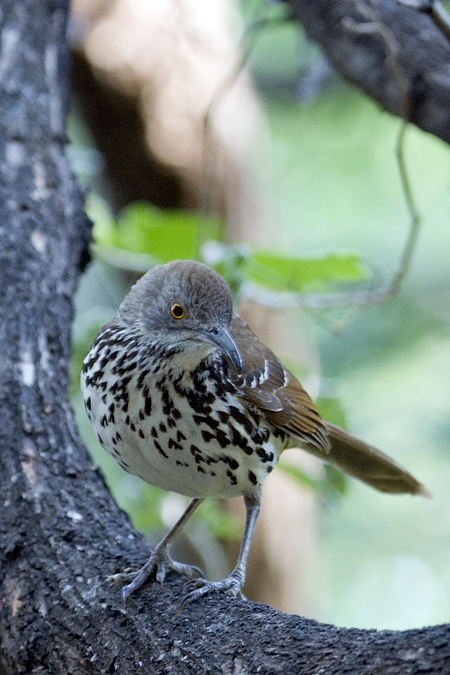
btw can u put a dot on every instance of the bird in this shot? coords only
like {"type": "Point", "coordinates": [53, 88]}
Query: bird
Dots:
{"type": "Point", "coordinates": [183, 394]}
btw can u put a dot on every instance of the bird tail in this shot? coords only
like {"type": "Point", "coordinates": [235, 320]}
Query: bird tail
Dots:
{"type": "Point", "coordinates": [368, 464]}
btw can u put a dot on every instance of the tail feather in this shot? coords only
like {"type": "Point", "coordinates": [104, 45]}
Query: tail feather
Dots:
{"type": "Point", "coordinates": [368, 464]}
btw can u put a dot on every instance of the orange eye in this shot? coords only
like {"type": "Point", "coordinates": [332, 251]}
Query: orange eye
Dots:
{"type": "Point", "coordinates": [177, 311]}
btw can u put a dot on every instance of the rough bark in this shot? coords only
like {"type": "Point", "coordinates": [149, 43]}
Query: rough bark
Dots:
{"type": "Point", "coordinates": [61, 533]}
{"type": "Point", "coordinates": [395, 54]}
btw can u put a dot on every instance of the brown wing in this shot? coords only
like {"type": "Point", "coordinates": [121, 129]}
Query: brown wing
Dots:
{"type": "Point", "coordinates": [267, 385]}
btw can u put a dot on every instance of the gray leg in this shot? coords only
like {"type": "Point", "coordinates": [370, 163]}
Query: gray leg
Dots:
{"type": "Point", "coordinates": [233, 583]}
{"type": "Point", "coordinates": [160, 560]}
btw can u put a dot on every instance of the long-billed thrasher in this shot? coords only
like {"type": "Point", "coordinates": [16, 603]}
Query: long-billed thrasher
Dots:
{"type": "Point", "coordinates": [183, 394]}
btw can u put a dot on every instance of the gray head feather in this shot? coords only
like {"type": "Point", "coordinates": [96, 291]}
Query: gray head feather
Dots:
{"type": "Point", "coordinates": [202, 293]}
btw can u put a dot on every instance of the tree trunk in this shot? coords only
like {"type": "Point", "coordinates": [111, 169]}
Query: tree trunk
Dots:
{"type": "Point", "coordinates": [61, 533]}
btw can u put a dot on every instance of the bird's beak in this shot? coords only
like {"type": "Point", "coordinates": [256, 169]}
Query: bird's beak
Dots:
{"type": "Point", "coordinates": [222, 337]}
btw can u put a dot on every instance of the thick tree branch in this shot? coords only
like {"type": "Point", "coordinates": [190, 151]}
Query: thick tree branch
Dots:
{"type": "Point", "coordinates": [395, 54]}
{"type": "Point", "coordinates": [61, 534]}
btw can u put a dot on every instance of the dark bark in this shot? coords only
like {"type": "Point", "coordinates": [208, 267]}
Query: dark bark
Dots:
{"type": "Point", "coordinates": [61, 533]}
{"type": "Point", "coordinates": [395, 54]}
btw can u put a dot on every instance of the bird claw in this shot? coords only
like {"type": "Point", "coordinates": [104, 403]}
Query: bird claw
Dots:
{"type": "Point", "coordinates": [121, 577]}
{"type": "Point", "coordinates": [159, 564]}
{"type": "Point", "coordinates": [197, 588]}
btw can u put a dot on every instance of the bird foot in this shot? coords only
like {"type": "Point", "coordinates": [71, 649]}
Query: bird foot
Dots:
{"type": "Point", "coordinates": [159, 564]}
{"type": "Point", "coordinates": [199, 587]}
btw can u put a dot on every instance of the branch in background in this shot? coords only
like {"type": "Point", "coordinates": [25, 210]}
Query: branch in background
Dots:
{"type": "Point", "coordinates": [372, 25]}
{"type": "Point", "coordinates": [423, 53]}
{"type": "Point", "coordinates": [434, 9]}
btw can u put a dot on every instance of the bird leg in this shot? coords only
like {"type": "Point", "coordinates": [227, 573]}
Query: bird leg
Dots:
{"type": "Point", "coordinates": [233, 583]}
{"type": "Point", "coordinates": [160, 560]}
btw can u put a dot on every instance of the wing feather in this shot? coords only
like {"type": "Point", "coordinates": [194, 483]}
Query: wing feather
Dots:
{"type": "Point", "coordinates": [265, 384]}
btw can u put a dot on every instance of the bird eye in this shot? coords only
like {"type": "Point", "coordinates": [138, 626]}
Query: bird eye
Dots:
{"type": "Point", "coordinates": [177, 311]}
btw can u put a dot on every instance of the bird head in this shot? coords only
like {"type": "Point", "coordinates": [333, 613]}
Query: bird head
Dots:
{"type": "Point", "coordinates": [182, 301]}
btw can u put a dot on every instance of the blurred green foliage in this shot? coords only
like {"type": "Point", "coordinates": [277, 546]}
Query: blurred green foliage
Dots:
{"type": "Point", "coordinates": [144, 235]}
{"type": "Point", "coordinates": [282, 272]}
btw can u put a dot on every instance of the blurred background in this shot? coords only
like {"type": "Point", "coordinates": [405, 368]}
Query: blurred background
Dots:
{"type": "Point", "coordinates": [215, 130]}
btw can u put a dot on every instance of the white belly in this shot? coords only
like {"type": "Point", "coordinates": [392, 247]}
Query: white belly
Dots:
{"type": "Point", "coordinates": [196, 443]}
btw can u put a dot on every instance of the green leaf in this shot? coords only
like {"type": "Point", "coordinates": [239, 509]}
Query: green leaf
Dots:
{"type": "Point", "coordinates": [145, 230]}
{"type": "Point", "coordinates": [284, 273]}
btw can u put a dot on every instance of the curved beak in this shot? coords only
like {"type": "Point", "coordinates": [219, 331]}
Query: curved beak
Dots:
{"type": "Point", "coordinates": [222, 337]}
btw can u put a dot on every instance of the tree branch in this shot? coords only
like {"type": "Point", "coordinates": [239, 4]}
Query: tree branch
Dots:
{"type": "Point", "coordinates": [357, 48]}
{"type": "Point", "coordinates": [61, 534]}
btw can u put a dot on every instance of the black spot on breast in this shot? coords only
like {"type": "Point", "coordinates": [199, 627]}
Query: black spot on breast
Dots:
{"type": "Point", "coordinates": [162, 427]}
{"type": "Point", "coordinates": [88, 403]}
{"type": "Point", "coordinates": [140, 381]}
{"type": "Point", "coordinates": [195, 452]}
{"type": "Point", "coordinates": [141, 433]}
{"type": "Point", "coordinates": [148, 406]}
{"type": "Point", "coordinates": [180, 436]}
{"type": "Point", "coordinates": [237, 438]}
{"type": "Point", "coordinates": [159, 448]}
{"type": "Point", "coordinates": [111, 418]}
{"type": "Point", "coordinates": [223, 416]}
{"type": "Point", "coordinates": [173, 444]}
{"type": "Point", "coordinates": [207, 436]}
{"type": "Point", "coordinates": [95, 377]}
{"type": "Point", "coordinates": [252, 478]}
{"type": "Point", "coordinates": [222, 438]}
{"type": "Point", "coordinates": [232, 478]}
{"type": "Point", "coordinates": [154, 433]}
{"type": "Point", "coordinates": [206, 419]}
{"type": "Point", "coordinates": [260, 436]}
{"type": "Point", "coordinates": [242, 419]}
{"type": "Point", "coordinates": [263, 455]}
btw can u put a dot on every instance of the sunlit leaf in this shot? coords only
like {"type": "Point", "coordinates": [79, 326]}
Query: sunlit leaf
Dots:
{"type": "Point", "coordinates": [284, 273]}
{"type": "Point", "coordinates": [145, 230]}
